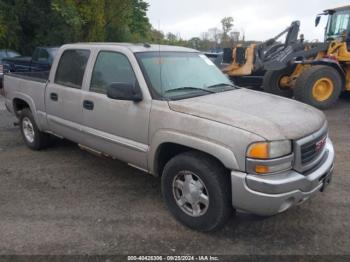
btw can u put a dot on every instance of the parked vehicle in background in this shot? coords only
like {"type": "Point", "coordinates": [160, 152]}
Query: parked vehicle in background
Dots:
{"type": "Point", "coordinates": [216, 58]}
{"type": "Point", "coordinates": [250, 81]}
{"type": "Point", "coordinates": [5, 53]}
{"type": "Point", "coordinates": [40, 61]}
{"type": "Point", "coordinates": [315, 73]}
{"type": "Point", "coordinates": [171, 112]}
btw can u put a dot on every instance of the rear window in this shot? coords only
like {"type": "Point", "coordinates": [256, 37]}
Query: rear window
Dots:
{"type": "Point", "coordinates": [71, 68]}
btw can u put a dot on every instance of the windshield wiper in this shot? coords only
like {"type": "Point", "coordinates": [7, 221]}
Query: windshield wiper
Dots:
{"type": "Point", "coordinates": [221, 84]}
{"type": "Point", "coordinates": [189, 88]}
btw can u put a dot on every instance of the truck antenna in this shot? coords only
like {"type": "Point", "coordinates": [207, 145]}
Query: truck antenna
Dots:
{"type": "Point", "coordinates": [160, 61]}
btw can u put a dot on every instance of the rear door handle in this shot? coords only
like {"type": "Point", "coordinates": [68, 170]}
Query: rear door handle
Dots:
{"type": "Point", "coordinates": [88, 105]}
{"type": "Point", "coordinates": [53, 96]}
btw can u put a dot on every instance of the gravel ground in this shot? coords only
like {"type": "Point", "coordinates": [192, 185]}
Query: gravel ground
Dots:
{"type": "Point", "coordinates": [67, 201]}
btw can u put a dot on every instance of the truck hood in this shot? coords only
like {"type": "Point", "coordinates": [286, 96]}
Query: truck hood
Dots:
{"type": "Point", "coordinates": [269, 116]}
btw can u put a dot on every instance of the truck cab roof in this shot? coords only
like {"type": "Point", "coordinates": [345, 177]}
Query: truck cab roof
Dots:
{"type": "Point", "coordinates": [135, 48]}
{"type": "Point", "coordinates": [338, 8]}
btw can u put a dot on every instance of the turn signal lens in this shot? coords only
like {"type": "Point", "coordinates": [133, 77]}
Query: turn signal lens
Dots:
{"type": "Point", "coordinates": [259, 150]}
{"type": "Point", "coordinates": [261, 169]}
{"type": "Point", "coordinates": [263, 157]}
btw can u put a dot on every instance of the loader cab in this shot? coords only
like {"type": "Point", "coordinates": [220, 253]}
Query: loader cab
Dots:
{"type": "Point", "coordinates": [338, 24]}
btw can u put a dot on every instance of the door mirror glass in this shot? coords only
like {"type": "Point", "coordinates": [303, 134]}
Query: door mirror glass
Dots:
{"type": "Point", "coordinates": [124, 91]}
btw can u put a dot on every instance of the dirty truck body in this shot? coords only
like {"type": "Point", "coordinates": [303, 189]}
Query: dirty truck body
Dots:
{"type": "Point", "coordinates": [170, 112]}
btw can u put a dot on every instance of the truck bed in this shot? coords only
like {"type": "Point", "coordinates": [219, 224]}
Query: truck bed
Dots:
{"type": "Point", "coordinates": [30, 87]}
{"type": "Point", "coordinates": [32, 76]}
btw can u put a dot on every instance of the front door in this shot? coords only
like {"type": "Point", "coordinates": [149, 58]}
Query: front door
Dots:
{"type": "Point", "coordinates": [115, 127]}
{"type": "Point", "coordinates": [64, 98]}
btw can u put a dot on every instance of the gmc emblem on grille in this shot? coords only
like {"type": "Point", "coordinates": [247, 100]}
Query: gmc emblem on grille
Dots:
{"type": "Point", "coordinates": [320, 144]}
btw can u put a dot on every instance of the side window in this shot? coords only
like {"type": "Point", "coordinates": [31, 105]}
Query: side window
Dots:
{"type": "Point", "coordinates": [71, 68]}
{"type": "Point", "coordinates": [111, 67]}
{"type": "Point", "coordinates": [43, 55]}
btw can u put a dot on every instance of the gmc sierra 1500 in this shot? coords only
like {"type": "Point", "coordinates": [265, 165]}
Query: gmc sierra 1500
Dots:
{"type": "Point", "coordinates": [170, 112]}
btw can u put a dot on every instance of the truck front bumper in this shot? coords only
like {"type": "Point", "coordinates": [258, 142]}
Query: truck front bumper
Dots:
{"type": "Point", "coordinates": [271, 194]}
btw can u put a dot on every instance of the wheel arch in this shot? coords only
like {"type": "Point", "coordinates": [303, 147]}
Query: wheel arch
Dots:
{"type": "Point", "coordinates": [168, 144]}
{"type": "Point", "coordinates": [21, 101]}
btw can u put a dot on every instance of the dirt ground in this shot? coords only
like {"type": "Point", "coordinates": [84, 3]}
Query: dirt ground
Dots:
{"type": "Point", "coordinates": [67, 201]}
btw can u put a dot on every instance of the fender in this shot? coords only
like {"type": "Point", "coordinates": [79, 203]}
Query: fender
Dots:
{"type": "Point", "coordinates": [221, 152]}
{"type": "Point", "coordinates": [329, 62]}
{"type": "Point", "coordinates": [26, 98]}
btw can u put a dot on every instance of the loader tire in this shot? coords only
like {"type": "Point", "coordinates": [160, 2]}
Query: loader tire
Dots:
{"type": "Point", "coordinates": [272, 80]}
{"type": "Point", "coordinates": [319, 86]}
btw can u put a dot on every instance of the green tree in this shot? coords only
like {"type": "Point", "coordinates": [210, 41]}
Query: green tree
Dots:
{"type": "Point", "coordinates": [172, 38]}
{"type": "Point", "coordinates": [157, 36]}
{"type": "Point", "coordinates": [195, 43]}
{"type": "Point", "coordinates": [227, 24]}
{"type": "Point", "coordinates": [140, 26]}
{"type": "Point", "coordinates": [25, 24]}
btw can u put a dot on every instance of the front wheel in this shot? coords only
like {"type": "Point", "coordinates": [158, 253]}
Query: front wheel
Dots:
{"type": "Point", "coordinates": [319, 86]}
{"type": "Point", "coordinates": [196, 189]}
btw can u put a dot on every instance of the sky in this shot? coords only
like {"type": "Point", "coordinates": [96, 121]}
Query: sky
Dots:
{"type": "Point", "coordinates": [258, 20]}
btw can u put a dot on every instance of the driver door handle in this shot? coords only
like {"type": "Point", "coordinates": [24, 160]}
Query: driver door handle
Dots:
{"type": "Point", "coordinates": [53, 96]}
{"type": "Point", "coordinates": [88, 105]}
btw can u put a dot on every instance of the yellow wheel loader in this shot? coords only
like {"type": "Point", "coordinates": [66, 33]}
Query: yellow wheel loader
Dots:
{"type": "Point", "coordinates": [314, 73]}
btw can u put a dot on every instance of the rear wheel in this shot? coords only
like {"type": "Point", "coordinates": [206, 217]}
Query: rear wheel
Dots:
{"type": "Point", "coordinates": [273, 82]}
{"type": "Point", "coordinates": [197, 191]}
{"type": "Point", "coordinates": [32, 136]}
{"type": "Point", "coordinates": [319, 86]}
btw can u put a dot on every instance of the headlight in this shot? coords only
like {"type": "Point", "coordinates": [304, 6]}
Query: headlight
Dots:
{"type": "Point", "coordinates": [269, 157]}
{"type": "Point", "coordinates": [266, 150]}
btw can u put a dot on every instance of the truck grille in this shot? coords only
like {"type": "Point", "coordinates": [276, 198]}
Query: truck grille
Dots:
{"type": "Point", "coordinates": [308, 151]}
{"type": "Point", "coordinates": [311, 150]}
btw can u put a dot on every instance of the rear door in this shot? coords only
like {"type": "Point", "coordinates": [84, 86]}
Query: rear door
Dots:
{"type": "Point", "coordinates": [118, 128]}
{"type": "Point", "coordinates": [64, 98]}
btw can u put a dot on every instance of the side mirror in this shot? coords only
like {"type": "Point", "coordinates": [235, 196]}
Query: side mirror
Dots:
{"type": "Point", "coordinates": [317, 20]}
{"type": "Point", "coordinates": [124, 91]}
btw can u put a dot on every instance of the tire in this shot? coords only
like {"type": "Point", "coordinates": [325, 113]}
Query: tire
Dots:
{"type": "Point", "coordinates": [271, 82]}
{"type": "Point", "coordinates": [35, 139]}
{"type": "Point", "coordinates": [305, 89]}
{"type": "Point", "coordinates": [215, 212]}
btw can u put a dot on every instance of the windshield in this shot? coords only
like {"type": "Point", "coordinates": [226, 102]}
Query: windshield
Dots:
{"type": "Point", "coordinates": [177, 75]}
{"type": "Point", "coordinates": [338, 23]}
{"type": "Point", "coordinates": [7, 53]}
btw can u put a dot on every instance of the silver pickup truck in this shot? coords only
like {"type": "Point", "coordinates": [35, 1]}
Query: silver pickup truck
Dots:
{"type": "Point", "coordinates": [171, 113]}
